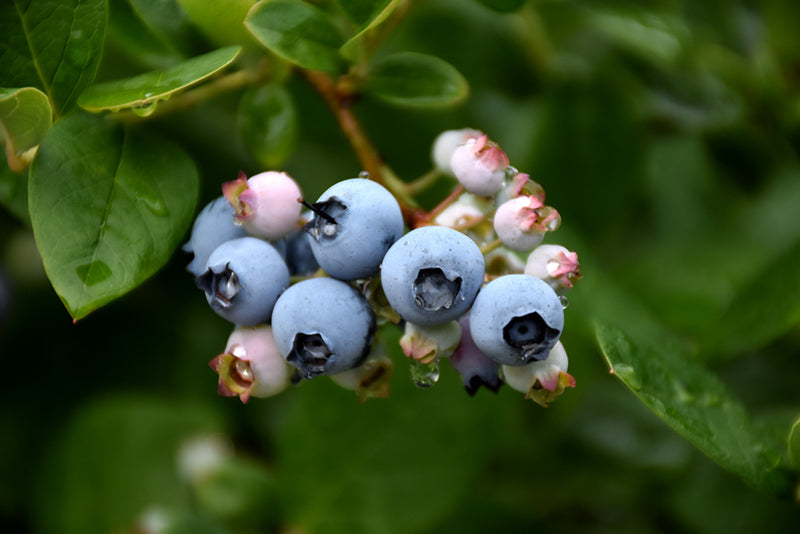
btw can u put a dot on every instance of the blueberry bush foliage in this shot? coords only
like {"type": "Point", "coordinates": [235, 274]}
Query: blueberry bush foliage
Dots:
{"type": "Point", "coordinates": [666, 132]}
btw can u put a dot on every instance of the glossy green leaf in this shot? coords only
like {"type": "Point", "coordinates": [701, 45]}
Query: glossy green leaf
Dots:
{"type": "Point", "coordinates": [25, 117]}
{"type": "Point", "coordinates": [268, 124]}
{"type": "Point", "coordinates": [55, 46]}
{"type": "Point", "coordinates": [298, 32]}
{"type": "Point", "coordinates": [395, 465]}
{"type": "Point", "coordinates": [368, 15]}
{"type": "Point", "coordinates": [766, 308]}
{"type": "Point", "coordinates": [693, 401]}
{"type": "Point", "coordinates": [411, 79]}
{"type": "Point", "coordinates": [503, 5]}
{"type": "Point", "coordinates": [142, 93]}
{"type": "Point", "coordinates": [116, 461]}
{"type": "Point", "coordinates": [108, 206]}
{"type": "Point", "coordinates": [221, 21]}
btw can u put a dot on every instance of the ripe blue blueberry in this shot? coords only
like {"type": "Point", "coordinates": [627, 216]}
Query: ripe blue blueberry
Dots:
{"type": "Point", "coordinates": [243, 279]}
{"type": "Point", "coordinates": [354, 224]}
{"type": "Point", "coordinates": [516, 319]}
{"type": "Point", "coordinates": [323, 326]}
{"type": "Point", "coordinates": [299, 256]}
{"type": "Point", "coordinates": [431, 275]}
{"type": "Point", "coordinates": [213, 226]}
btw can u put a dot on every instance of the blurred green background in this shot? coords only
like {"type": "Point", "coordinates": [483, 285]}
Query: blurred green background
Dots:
{"type": "Point", "coordinates": [666, 133]}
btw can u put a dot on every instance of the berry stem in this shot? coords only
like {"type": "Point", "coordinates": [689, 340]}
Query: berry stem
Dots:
{"type": "Point", "coordinates": [488, 247]}
{"type": "Point", "coordinates": [339, 100]}
{"type": "Point", "coordinates": [424, 181]}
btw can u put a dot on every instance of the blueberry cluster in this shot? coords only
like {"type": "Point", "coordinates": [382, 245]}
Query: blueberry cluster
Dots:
{"type": "Point", "coordinates": [307, 291]}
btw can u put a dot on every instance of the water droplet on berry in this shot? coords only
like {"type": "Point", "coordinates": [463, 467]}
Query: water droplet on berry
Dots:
{"type": "Point", "coordinates": [564, 301]}
{"type": "Point", "coordinates": [511, 172]}
{"type": "Point", "coordinates": [364, 175]}
{"type": "Point", "coordinates": [424, 375]}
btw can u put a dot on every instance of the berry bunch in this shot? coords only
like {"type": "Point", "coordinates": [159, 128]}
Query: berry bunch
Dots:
{"type": "Point", "coordinates": [308, 291]}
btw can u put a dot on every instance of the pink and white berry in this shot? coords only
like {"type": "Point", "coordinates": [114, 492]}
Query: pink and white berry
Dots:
{"type": "Point", "coordinates": [521, 222]}
{"type": "Point", "coordinates": [266, 204]}
{"type": "Point", "coordinates": [554, 264]}
{"type": "Point", "coordinates": [446, 142]}
{"type": "Point", "coordinates": [541, 381]}
{"type": "Point", "coordinates": [480, 166]}
{"type": "Point", "coordinates": [251, 364]}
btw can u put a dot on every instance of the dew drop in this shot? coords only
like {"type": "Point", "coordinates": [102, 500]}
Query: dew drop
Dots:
{"type": "Point", "coordinates": [564, 301]}
{"type": "Point", "coordinates": [364, 175]}
{"type": "Point", "coordinates": [511, 172]}
{"type": "Point", "coordinates": [144, 109]}
{"type": "Point", "coordinates": [424, 375]}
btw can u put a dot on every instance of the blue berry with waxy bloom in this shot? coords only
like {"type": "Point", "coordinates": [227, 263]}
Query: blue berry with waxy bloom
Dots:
{"type": "Point", "coordinates": [431, 275]}
{"type": "Point", "coordinates": [243, 279]}
{"type": "Point", "coordinates": [516, 319]}
{"type": "Point", "coordinates": [354, 224]}
{"type": "Point", "coordinates": [299, 256]}
{"type": "Point", "coordinates": [212, 227]}
{"type": "Point", "coordinates": [323, 326]}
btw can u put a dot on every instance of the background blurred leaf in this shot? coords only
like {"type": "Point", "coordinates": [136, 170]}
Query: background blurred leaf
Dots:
{"type": "Point", "coordinates": [14, 192]}
{"type": "Point", "coordinates": [53, 46]}
{"type": "Point", "coordinates": [128, 31]}
{"type": "Point", "coordinates": [108, 206]}
{"type": "Point", "coordinates": [267, 121]}
{"type": "Point", "coordinates": [693, 401]}
{"type": "Point", "coordinates": [411, 79]}
{"type": "Point", "coordinates": [503, 5]}
{"type": "Point", "coordinates": [767, 307]}
{"type": "Point", "coordinates": [143, 92]}
{"type": "Point", "coordinates": [116, 460]}
{"type": "Point", "coordinates": [397, 466]}
{"type": "Point", "coordinates": [25, 116]}
{"type": "Point", "coordinates": [298, 32]}
{"type": "Point", "coordinates": [222, 21]}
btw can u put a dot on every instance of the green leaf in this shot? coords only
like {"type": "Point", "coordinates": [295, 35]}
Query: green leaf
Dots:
{"type": "Point", "coordinates": [108, 206]}
{"type": "Point", "coordinates": [116, 460]}
{"type": "Point", "coordinates": [503, 5]}
{"type": "Point", "coordinates": [131, 34]}
{"type": "Point", "coordinates": [298, 32]}
{"type": "Point", "coordinates": [55, 46]}
{"type": "Point", "coordinates": [691, 400]}
{"type": "Point", "coordinates": [368, 15]}
{"type": "Point", "coordinates": [267, 121]}
{"type": "Point", "coordinates": [25, 117]}
{"type": "Point", "coordinates": [142, 93]}
{"type": "Point", "coordinates": [411, 79]}
{"type": "Point", "coordinates": [766, 308]}
{"type": "Point", "coordinates": [221, 21]}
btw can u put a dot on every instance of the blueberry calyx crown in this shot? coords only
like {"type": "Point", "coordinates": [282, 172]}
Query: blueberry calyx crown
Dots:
{"type": "Point", "coordinates": [310, 353]}
{"type": "Point", "coordinates": [434, 291]}
{"type": "Point", "coordinates": [221, 287]}
{"type": "Point", "coordinates": [324, 224]}
{"type": "Point", "coordinates": [530, 334]}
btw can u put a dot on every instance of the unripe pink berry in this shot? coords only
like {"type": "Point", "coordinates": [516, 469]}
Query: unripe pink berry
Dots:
{"type": "Point", "coordinates": [542, 381]}
{"type": "Point", "coordinates": [251, 364]}
{"type": "Point", "coordinates": [521, 222]}
{"type": "Point", "coordinates": [480, 166]}
{"type": "Point", "coordinates": [554, 264]}
{"type": "Point", "coordinates": [266, 204]}
{"type": "Point", "coordinates": [445, 144]}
